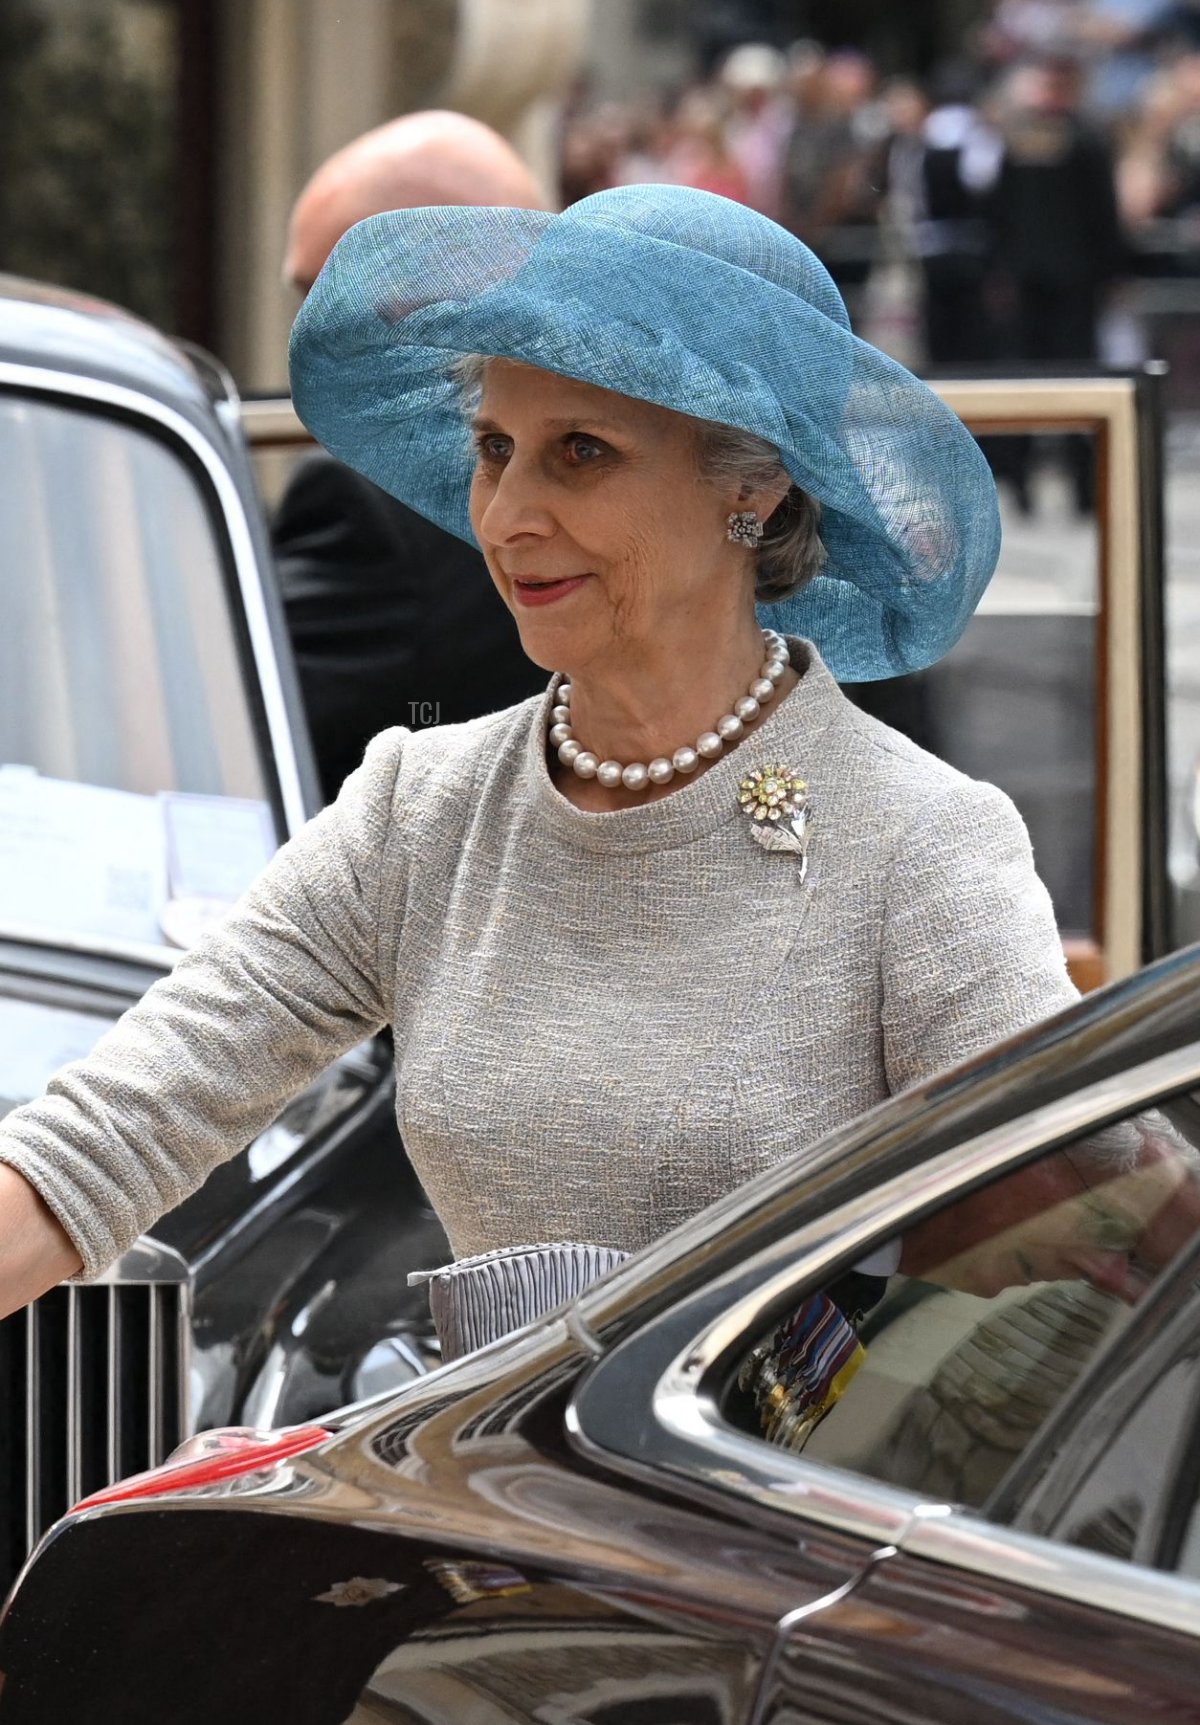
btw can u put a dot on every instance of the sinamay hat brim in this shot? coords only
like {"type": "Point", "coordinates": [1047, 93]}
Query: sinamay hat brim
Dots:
{"type": "Point", "coordinates": [699, 304]}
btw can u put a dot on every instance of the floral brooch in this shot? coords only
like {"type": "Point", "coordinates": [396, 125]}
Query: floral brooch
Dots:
{"type": "Point", "coordinates": [775, 801]}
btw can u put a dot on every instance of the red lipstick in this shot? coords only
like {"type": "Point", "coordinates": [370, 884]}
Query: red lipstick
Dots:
{"type": "Point", "coordinates": [545, 592]}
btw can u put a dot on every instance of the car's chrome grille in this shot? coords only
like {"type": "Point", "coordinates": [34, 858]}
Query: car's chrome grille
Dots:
{"type": "Point", "coordinates": [92, 1387]}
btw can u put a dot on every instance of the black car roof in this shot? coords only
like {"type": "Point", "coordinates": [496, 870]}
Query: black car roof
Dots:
{"type": "Point", "coordinates": [56, 329]}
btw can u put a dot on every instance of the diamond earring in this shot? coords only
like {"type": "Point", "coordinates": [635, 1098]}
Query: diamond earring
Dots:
{"type": "Point", "coordinates": [744, 528]}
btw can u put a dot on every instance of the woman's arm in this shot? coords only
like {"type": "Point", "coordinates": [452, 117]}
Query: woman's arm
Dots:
{"type": "Point", "coordinates": [35, 1249]}
{"type": "Point", "coordinates": [971, 950]}
{"type": "Point", "coordinates": [213, 1052]}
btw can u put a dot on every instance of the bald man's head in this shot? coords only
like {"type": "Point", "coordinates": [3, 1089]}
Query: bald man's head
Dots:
{"type": "Point", "coordinates": [431, 158]}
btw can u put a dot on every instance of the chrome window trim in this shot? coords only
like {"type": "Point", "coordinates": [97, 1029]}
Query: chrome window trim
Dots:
{"type": "Point", "coordinates": [717, 1457]}
{"type": "Point", "coordinates": [45, 381]}
{"type": "Point", "coordinates": [1067, 1572]}
{"type": "Point", "coordinates": [136, 951]}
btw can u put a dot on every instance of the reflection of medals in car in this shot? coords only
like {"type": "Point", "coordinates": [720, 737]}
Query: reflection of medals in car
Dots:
{"type": "Point", "coordinates": [802, 1371]}
{"type": "Point", "coordinates": [467, 1580]}
{"type": "Point", "coordinates": [359, 1590]}
{"type": "Point", "coordinates": [775, 801]}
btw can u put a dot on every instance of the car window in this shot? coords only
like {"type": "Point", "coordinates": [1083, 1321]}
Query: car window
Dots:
{"type": "Point", "coordinates": [1126, 1503]}
{"type": "Point", "coordinates": [1126, 1483]}
{"type": "Point", "coordinates": [936, 1362]}
{"type": "Point", "coordinates": [36, 1040]}
{"type": "Point", "coordinates": [130, 776]}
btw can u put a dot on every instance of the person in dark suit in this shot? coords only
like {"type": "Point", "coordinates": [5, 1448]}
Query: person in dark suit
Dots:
{"type": "Point", "coordinates": [1056, 236]}
{"type": "Point", "coordinates": [392, 620]}
{"type": "Point", "coordinates": [1056, 244]}
{"type": "Point", "coordinates": [961, 154]}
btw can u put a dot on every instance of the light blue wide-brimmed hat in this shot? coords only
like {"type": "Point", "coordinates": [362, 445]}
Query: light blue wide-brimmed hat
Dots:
{"type": "Point", "coordinates": [688, 300]}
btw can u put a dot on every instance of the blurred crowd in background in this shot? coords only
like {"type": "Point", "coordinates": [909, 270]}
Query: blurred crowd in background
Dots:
{"type": "Point", "coordinates": [996, 210]}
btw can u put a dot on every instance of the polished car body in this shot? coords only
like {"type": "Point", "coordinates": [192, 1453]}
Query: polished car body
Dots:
{"type": "Point", "coordinates": [145, 684]}
{"type": "Point", "coordinates": [573, 1525]}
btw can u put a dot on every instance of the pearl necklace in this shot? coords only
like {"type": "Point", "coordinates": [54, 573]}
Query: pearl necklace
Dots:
{"type": "Point", "coordinates": [637, 775]}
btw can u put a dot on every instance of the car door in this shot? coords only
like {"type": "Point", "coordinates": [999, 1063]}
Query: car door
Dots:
{"type": "Point", "coordinates": [1078, 1596]}
{"type": "Point", "coordinates": [1031, 1309]}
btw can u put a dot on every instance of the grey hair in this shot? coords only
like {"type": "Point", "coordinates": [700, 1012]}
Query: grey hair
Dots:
{"type": "Point", "coordinates": [466, 374]}
{"type": "Point", "coordinates": [790, 552]}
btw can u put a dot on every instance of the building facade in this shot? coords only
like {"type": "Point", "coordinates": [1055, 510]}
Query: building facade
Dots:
{"type": "Point", "coordinates": [150, 150]}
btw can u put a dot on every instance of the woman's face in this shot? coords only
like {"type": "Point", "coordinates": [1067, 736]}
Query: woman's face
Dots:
{"type": "Point", "coordinates": [598, 528]}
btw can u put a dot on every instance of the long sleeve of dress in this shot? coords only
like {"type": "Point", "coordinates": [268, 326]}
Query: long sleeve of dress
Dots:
{"type": "Point", "coordinates": [213, 1052]}
{"type": "Point", "coordinates": [971, 952]}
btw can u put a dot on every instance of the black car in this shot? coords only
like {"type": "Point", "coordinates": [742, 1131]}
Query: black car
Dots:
{"type": "Point", "coordinates": [152, 756]}
{"type": "Point", "coordinates": [997, 1519]}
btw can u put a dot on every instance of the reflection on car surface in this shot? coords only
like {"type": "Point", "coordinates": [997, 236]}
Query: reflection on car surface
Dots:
{"type": "Point", "coordinates": [1002, 1301]}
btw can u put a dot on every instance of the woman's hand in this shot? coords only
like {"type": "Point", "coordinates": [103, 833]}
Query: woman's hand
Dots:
{"type": "Point", "coordinates": [35, 1250]}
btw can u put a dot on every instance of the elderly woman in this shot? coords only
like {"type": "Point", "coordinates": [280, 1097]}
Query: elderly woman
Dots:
{"type": "Point", "coordinates": [687, 911]}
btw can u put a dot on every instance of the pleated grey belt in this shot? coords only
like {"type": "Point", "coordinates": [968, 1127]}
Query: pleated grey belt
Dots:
{"type": "Point", "coordinates": [477, 1300]}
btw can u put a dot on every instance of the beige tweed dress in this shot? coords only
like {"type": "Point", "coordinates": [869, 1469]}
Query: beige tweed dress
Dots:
{"type": "Point", "coordinates": [602, 1021]}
